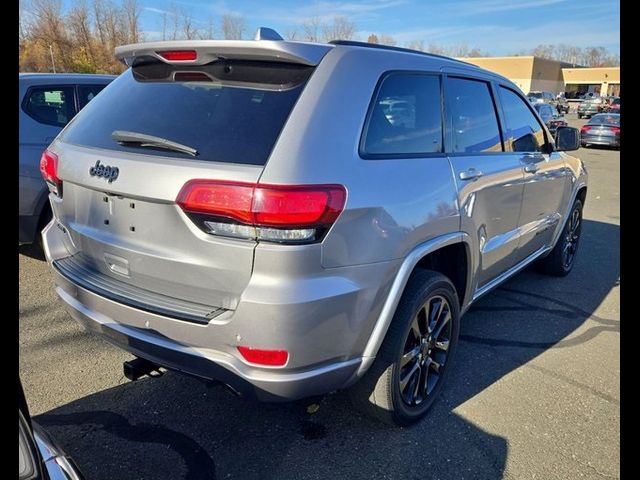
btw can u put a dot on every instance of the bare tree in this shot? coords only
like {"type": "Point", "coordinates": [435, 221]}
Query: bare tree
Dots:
{"type": "Point", "coordinates": [373, 38]}
{"type": "Point", "coordinates": [79, 25]}
{"type": "Point", "coordinates": [340, 29]}
{"type": "Point", "coordinates": [131, 17]}
{"type": "Point", "coordinates": [417, 45]}
{"type": "Point", "coordinates": [189, 30]}
{"type": "Point", "coordinates": [232, 26]}
{"type": "Point", "coordinates": [292, 34]}
{"type": "Point", "coordinates": [311, 29]}
{"type": "Point", "coordinates": [436, 49]}
{"type": "Point", "coordinates": [387, 40]}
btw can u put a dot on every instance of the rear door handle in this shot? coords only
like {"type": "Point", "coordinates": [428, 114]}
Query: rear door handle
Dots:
{"type": "Point", "coordinates": [531, 167]}
{"type": "Point", "coordinates": [470, 174]}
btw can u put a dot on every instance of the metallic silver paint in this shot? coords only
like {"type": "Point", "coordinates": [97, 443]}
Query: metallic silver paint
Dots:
{"type": "Point", "coordinates": [329, 304]}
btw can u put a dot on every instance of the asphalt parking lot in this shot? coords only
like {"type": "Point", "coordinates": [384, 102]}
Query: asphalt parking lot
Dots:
{"type": "Point", "coordinates": [535, 391]}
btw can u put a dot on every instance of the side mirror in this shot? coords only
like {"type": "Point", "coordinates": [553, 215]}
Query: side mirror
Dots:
{"type": "Point", "coordinates": [567, 139]}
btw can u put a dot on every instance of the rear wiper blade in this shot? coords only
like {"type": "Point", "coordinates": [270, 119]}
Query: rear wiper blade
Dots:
{"type": "Point", "coordinates": [144, 140]}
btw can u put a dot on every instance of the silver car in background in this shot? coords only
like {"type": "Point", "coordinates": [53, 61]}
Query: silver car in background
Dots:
{"type": "Point", "coordinates": [257, 213]}
{"type": "Point", "coordinates": [46, 103]}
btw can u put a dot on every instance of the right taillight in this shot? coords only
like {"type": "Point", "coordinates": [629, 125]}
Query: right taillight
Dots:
{"type": "Point", "coordinates": [272, 213]}
{"type": "Point", "coordinates": [49, 171]}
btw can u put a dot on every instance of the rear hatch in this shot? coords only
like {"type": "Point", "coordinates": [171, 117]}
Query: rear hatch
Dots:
{"type": "Point", "coordinates": [218, 117]}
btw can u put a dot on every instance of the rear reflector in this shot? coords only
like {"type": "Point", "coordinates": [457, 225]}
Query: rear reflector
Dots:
{"type": "Point", "coordinates": [49, 171]}
{"type": "Point", "coordinates": [279, 213]}
{"type": "Point", "coordinates": [269, 358]}
{"type": "Point", "coordinates": [178, 55]}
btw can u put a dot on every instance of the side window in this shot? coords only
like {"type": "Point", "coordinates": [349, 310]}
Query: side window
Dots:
{"type": "Point", "coordinates": [405, 117]}
{"type": "Point", "coordinates": [50, 105]}
{"type": "Point", "coordinates": [524, 132]}
{"type": "Point", "coordinates": [472, 123]}
{"type": "Point", "coordinates": [87, 92]}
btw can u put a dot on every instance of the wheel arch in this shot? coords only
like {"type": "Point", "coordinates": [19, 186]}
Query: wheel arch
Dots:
{"type": "Point", "coordinates": [436, 254]}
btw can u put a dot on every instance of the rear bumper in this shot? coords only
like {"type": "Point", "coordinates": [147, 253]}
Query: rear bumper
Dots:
{"type": "Point", "coordinates": [324, 331]}
{"type": "Point", "coordinates": [610, 141]}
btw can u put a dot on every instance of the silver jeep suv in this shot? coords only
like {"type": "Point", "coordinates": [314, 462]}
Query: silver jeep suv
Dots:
{"type": "Point", "coordinates": [252, 212]}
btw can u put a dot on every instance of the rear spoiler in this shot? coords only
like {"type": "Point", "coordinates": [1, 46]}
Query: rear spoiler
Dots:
{"type": "Point", "coordinates": [207, 51]}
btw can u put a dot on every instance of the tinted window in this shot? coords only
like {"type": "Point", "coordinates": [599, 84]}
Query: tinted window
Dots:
{"type": "Point", "coordinates": [605, 119]}
{"type": "Point", "coordinates": [535, 95]}
{"type": "Point", "coordinates": [524, 132]}
{"type": "Point", "coordinates": [50, 105]}
{"type": "Point", "coordinates": [229, 111]}
{"type": "Point", "coordinates": [405, 118]}
{"type": "Point", "coordinates": [87, 92]}
{"type": "Point", "coordinates": [471, 117]}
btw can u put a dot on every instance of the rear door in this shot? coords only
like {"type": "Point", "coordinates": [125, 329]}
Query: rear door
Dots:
{"type": "Point", "coordinates": [489, 181]}
{"type": "Point", "coordinates": [545, 176]}
{"type": "Point", "coordinates": [119, 199]}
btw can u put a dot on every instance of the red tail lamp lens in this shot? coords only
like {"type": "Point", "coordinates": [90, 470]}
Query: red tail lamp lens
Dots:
{"type": "Point", "coordinates": [269, 358]}
{"type": "Point", "coordinates": [49, 170]}
{"type": "Point", "coordinates": [179, 55]}
{"type": "Point", "coordinates": [584, 129]}
{"type": "Point", "coordinates": [259, 205]}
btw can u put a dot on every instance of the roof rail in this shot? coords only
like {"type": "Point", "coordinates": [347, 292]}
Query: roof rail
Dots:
{"type": "Point", "coordinates": [378, 46]}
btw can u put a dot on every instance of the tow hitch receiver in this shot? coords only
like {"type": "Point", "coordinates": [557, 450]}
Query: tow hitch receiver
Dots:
{"type": "Point", "coordinates": [139, 367]}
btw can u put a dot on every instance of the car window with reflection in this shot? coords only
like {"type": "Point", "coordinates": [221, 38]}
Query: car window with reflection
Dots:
{"type": "Point", "coordinates": [471, 117]}
{"type": "Point", "coordinates": [405, 117]}
{"type": "Point", "coordinates": [524, 132]}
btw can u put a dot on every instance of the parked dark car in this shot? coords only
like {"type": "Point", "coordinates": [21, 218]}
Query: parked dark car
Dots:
{"type": "Point", "coordinates": [549, 116]}
{"type": "Point", "coordinates": [39, 457]}
{"type": "Point", "coordinates": [46, 103]}
{"type": "Point", "coordinates": [602, 129]}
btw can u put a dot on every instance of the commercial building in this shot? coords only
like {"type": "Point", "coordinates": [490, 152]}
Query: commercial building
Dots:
{"type": "Point", "coordinates": [535, 73]}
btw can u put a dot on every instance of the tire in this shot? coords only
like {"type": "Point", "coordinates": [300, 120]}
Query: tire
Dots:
{"type": "Point", "coordinates": [556, 263]}
{"type": "Point", "coordinates": [379, 394]}
{"type": "Point", "coordinates": [579, 116]}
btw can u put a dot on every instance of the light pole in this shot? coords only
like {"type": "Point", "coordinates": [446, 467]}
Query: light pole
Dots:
{"type": "Point", "coordinates": [53, 64]}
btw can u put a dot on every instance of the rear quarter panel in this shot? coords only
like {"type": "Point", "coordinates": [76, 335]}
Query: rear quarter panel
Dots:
{"type": "Point", "coordinates": [392, 205]}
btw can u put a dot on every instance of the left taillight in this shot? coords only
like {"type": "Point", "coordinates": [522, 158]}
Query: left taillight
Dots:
{"type": "Point", "coordinates": [49, 171]}
{"type": "Point", "coordinates": [272, 213]}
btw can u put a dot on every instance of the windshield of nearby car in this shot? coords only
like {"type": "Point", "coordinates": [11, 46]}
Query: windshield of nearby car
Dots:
{"type": "Point", "coordinates": [605, 119]}
{"type": "Point", "coordinates": [535, 95]}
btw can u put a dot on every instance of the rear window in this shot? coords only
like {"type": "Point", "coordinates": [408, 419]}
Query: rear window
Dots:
{"type": "Point", "coordinates": [229, 111]}
{"type": "Point", "coordinates": [605, 119]}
